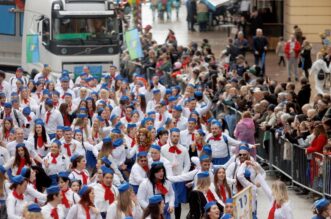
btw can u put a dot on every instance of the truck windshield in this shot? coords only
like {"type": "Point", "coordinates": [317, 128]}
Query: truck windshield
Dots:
{"type": "Point", "coordinates": [87, 31]}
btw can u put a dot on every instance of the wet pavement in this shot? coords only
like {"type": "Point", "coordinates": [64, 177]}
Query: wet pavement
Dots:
{"type": "Point", "coordinates": [301, 205]}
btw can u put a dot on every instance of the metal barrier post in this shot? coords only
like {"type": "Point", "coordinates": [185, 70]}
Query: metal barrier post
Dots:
{"type": "Point", "coordinates": [292, 165]}
{"type": "Point", "coordinates": [271, 152]}
{"type": "Point", "coordinates": [324, 175]}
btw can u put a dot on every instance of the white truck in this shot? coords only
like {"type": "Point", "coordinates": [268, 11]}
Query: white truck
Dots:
{"type": "Point", "coordinates": [65, 34]}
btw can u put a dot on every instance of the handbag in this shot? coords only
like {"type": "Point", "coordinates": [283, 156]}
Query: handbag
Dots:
{"type": "Point", "coordinates": [321, 75]}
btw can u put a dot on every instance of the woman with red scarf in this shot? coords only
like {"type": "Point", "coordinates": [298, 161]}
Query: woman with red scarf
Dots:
{"type": "Point", "coordinates": [221, 186]}
{"type": "Point", "coordinates": [15, 201]}
{"type": "Point", "coordinates": [39, 138]}
{"type": "Point", "coordinates": [78, 169]}
{"type": "Point", "coordinates": [201, 195]}
{"type": "Point", "coordinates": [199, 141]}
{"type": "Point", "coordinates": [85, 209]}
{"type": "Point", "coordinates": [6, 128]}
{"type": "Point", "coordinates": [157, 183]}
{"type": "Point", "coordinates": [69, 198]}
{"type": "Point", "coordinates": [21, 159]}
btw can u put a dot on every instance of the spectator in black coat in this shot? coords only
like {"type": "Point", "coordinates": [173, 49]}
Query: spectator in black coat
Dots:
{"type": "Point", "coordinates": [304, 93]}
{"type": "Point", "coordinates": [260, 46]}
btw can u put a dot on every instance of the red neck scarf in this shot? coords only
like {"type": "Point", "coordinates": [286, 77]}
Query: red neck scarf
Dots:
{"type": "Point", "coordinates": [146, 168]}
{"type": "Point", "coordinates": [133, 142]}
{"type": "Point", "coordinates": [192, 136]}
{"type": "Point", "coordinates": [161, 188]}
{"type": "Point", "coordinates": [54, 213]}
{"type": "Point", "coordinates": [40, 141]}
{"type": "Point", "coordinates": [128, 119]}
{"type": "Point", "coordinates": [160, 143]}
{"type": "Point", "coordinates": [87, 211]}
{"type": "Point", "coordinates": [273, 210]}
{"type": "Point", "coordinates": [210, 196]}
{"type": "Point", "coordinates": [96, 135]}
{"type": "Point", "coordinates": [65, 201]}
{"type": "Point", "coordinates": [26, 101]}
{"type": "Point", "coordinates": [84, 176]}
{"type": "Point", "coordinates": [29, 118]}
{"type": "Point", "coordinates": [174, 149]}
{"type": "Point", "coordinates": [48, 114]}
{"type": "Point", "coordinates": [18, 196]}
{"type": "Point", "coordinates": [67, 146]}
{"type": "Point", "coordinates": [142, 148]}
{"type": "Point", "coordinates": [21, 165]}
{"type": "Point", "coordinates": [7, 133]}
{"type": "Point", "coordinates": [109, 195]}
{"type": "Point", "coordinates": [160, 117]}
{"type": "Point", "coordinates": [66, 120]}
{"type": "Point", "coordinates": [54, 156]}
{"type": "Point", "coordinates": [199, 146]}
{"type": "Point", "coordinates": [222, 193]}
{"type": "Point", "coordinates": [217, 138]}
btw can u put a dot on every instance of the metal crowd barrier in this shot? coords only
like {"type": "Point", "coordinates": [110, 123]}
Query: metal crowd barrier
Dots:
{"type": "Point", "coordinates": [312, 172]}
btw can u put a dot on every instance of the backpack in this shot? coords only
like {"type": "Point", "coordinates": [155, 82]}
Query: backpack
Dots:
{"type": "Point", "coordinates": [321, 75]}
{"type": "Point", "coordinates": [15, 115]}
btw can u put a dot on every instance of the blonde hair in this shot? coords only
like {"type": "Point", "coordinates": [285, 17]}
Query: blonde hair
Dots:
{"type": "Point", "coordinates": [279, 192]}
{"type": "Point", "coordinates": [32, 215]}
{"type": "Point", "coordinates": [203, 184]}
{"type": "Point", "coordinates": [124, 203]}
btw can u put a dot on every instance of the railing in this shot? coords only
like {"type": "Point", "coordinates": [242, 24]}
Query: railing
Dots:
{"type": "Point", "coordinates": [312, 172]}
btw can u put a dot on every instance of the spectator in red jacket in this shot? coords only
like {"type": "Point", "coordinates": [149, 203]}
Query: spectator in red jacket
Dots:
{"type": "Point", "coordinates": [292, 51]}
{"type": "Point", "coordinates": [317, 145]}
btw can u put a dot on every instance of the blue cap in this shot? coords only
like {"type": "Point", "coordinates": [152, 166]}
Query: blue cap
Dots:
{"type": "Point", "coordinates": [53, 190]}
{"type": "Point", "coordinates": [154, 199]}
{"type": "Point", "coordinates": [229, 201]}
{"type": "Point", "coordinates": [124, 98]}
{"type": "Point", "coordinates": [209, 205]}
{"type": "Point", "coordinates": [167, 121]}
{"type": "Point", "coordinates": [49, 101]}
{"type": "Point", "coordinates": [247, 173]}
{"type": "Point", "coordinates": [106, 161]}
{"type": "Point", "coordinates": [123, 187]}
{"type": "Point", "coordinates": [26, 110]}
{"type": "Point", "coordinates": [100, 118]}
{"type": "Point", "coordinates": [82, 115]}
{"type": "Point", "coordinates": [244, 148]}
{"type": "Point", "coordinates": [78, 131]}
{"type": "Point", "coordinates": [17, 179]}
{"type": "Point", "coordinates": [163, 103]}
{"type": "Point", "coordinates": [2, 169]}
{"type": "Point", "coordinates": [131, 125]}
{"type": "Point", "coordinates": [168, 91]}
{"type": "Point", "coordinates": [190, 99]}
{"type": "Point", "coordinates": [198, 93]}
{"type": "Point", "coordinates": [207, 149]}
{"type": "Point", "coordinates": [106, 140]}
{"type": "Point", "coordinates": [320, 204]}
{"type": "Point", "coordinates": [14, 101]}
{"type": "Point", "coordinates": [216, 122]}
{"type": "Point", "coordinates": [56, 93]}
{"type": "Point", "coordinates": [172, 98]}
{"type": "Point", "coordinates": [118, 142]}
{"type": "Point", "coordinates": [83, 190]}
{"type": "Point", "coordinates": [106, 170]}
{"type": "Point", "coordinates": [67, 129]}
{"type": "Point", "coordinates": [156, 91]}
{"type": "Point", "coordinates": [113, 117]}
{"type": "Point", "coordinates": [192, 120]}
{"type": "Point", "coordinates": [68, 94]}
{"type": "Point", "coordinates": [227, 216]}
{"type": "Point", "coordinates": [34, 208]}
{"type": "Point", "coordinates": [142, 154]}
{"type": "Point", "coordinates": [157, 163]}
{"type": "Point", "coordinates": [160, 130]}
{"type": "Point", "coordinates": [116, 131]}
{"type": "Point", "coordinates": [211, 119]}
{"type": "Point", "coordinates": [64, 79]}
{"type": "Point", "coordinates": [19, 145]}
{"type": "Point", "coordinates": [7, 105]}
{"type": "Point", "coordinates": [118, 125]}
{"type": "Point", "coordinates": [201, 132]}
{"type": "Point", "coordinates": [74, 157]}
{"type": "Point", "coordinates": [2, 94]}
{"type": "Point", "coordinates": [64, 174]}
{"type": "Point", "coordinates": [39, 122]}
{"type": "Point", "coordinates": [151, 113]}
{"type": "Point", "coordinates": [174, 130]}
{"type": "Point", "coordinates": [156, 147]}
{"type": "Point", "coordinates": [203, 174]}
{"type": "Point", "coordinates": [204, 157]}
{"type": "Point", "coordinates": [150, 128]}
{"type": "Point", "coordinates": [57, 142]}
{"type": "Point", "coordinates": [178, 108]}
{"type": "Point", "coordinates": [65, 72]}
{"type": "Point", "coordinates": [46, 92]}
{"type": "Point", "coordinates": [24, 171]}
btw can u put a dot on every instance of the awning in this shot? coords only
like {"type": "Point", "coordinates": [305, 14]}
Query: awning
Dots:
{"type": "Point", "coordinates": [214, 4]}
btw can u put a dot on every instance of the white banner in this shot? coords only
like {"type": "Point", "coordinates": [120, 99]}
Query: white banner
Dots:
{"type": "Point", "coordinates": [243, 204]}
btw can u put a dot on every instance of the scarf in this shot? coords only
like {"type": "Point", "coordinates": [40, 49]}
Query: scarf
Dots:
{"type": "Point", "coordinates": [54, 158]}
{"type": "Point", "coordinates": [210, 196]}
{"type": "Point", "coordinates": [21, 165]}
{"type": "Point", "coordinates": [161, 188]}
{"type": "Point", "coordinates": [48, 114]}
{"type": "Point", "coordinates": [18, 196]}
{"type": "Point", "coordinates": [64, 200]}
{"type": "Point", "coordinates": [67, 146]}
{"type": "Point", "coordinates": [87, 211]}
{"type": "Point", "coordinates": [40, 141]}
{"type": "Point", "coordinates": [192, 136]}
{"type": "Point", "coordinates": [109, 195]}
{"type": "Point", "coordinates": [54, 213]}
{"type": "Point", "coordinates": [66, 120]}
{"type": "Point", "coordinates": [222, 193]}
{"type": "Point", "coordinates": [217, 138]}
{"type": "Point", "coordinates": [199, 146]}
{"type": "Point", "coordinates": [146, 168]}
{"type": "Point", "coordinates": [160, 143]}
{"type": "Point", "coordinates": [84, 176]}
{"type": "Point", "coordinates": [174, 149]}
{"type": "Point", "coordinates": [273, 210]}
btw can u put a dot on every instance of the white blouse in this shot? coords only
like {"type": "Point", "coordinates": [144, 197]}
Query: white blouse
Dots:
{"type": "Point", "coordinates": [137, 212]}
{"type": "Point", "coordinates": [78, 212]}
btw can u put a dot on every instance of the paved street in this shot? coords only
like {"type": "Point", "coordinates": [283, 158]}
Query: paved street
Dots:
{"type": "Point", "coordinates": [300, 204]}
